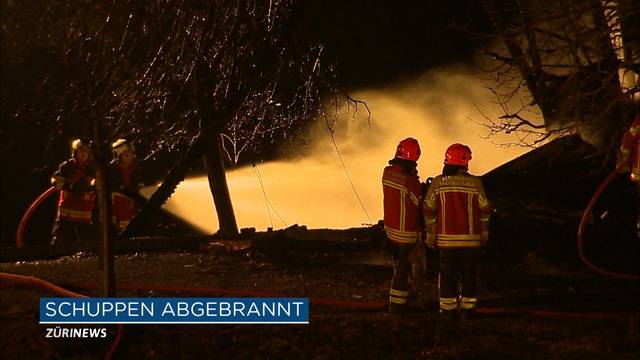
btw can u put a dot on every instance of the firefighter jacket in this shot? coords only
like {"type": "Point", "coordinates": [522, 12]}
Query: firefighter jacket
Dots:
{"type": "Point", "coordinates": [401, 194]}
{"type": "Point", "coordinates": [125, 185]}
{"type": "Point", "coordinates": [77, 198]}
{"type": "Point", "coordinates": [458, 207]}
{"type": "Point", "coordinates": [630, 149]}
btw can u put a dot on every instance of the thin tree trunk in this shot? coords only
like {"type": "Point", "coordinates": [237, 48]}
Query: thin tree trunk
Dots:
{"type": "Point", "coordinates": [105, 227]}
{"type": "Point", "coordinates": [214, 163]}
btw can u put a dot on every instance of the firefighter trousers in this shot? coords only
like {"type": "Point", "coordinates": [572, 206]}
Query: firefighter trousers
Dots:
{"type": "Point", "coordinates": [69, 232]}
{"type": "Point", "coordinates": [457, 280]}
{"type": "Point", "coordinates": [401, 269]}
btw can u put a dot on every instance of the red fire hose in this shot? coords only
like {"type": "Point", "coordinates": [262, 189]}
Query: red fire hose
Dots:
{"type": "Point", "coordinates": [31, 280]}
{"type": "Point", "coordinates": [27, 214]}
{"type": "Point", "coordinates": [14, 278]}
{"type": "Point", "coordinates": [583, 224]}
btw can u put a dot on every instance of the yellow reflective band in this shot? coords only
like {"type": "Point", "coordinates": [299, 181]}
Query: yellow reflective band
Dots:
{"type": "Point", "coordinates": [402, 239]}
{"type": "Point", "coordinates": [408, 237]}
{"type": "Point", "coordinates": [448, 300]}
{"type": "Point", "coordinates": [448, 303]}
{"type": "Point", "coordinates": [468, 302]}
{"type": "Point", "coordinates": [448, 189]}
{"type": "Point", "coordinates": [443, 211]}
{"type": "Point", "coordinates": [430, 201]}
{"type": "Point", "coordinates": [470, 211]}
{"type": "Point", "coordinates": [393, 185]}
{"type": "Point", "coordinates": [458, 244]}
{"type": "Point", "coordinates": [459, 237]}
{"type": "Point", "coordinates": [402, 210]}
{"type": "Point", "coordinates": [399, 232]}
{"type": "Point", "coordinates": [413, 198]}
{"type": "Point", "coordinates": [398, 292]}
{"type": "Point", "coordinates": [396, 300]}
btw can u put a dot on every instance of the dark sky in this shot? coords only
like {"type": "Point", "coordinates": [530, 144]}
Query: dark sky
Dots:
{"type": "Point", "coordinates": [378, 41]}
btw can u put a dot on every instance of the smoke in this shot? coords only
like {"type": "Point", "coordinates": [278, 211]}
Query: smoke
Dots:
{"type": "Point", "coordinates": [314, 189]}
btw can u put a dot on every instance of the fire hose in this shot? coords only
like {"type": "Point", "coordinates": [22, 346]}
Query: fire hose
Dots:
{"type": "Point", "coordinates": [31, 280]}
{"type": "Point", "coordinates": [340, 303]}
{"type": "Point", "coordinates": [27, 214]}
{"type": "Point", "coordinates": [581, 230]}
{"type": "Point", "coordinates": [34, 281]}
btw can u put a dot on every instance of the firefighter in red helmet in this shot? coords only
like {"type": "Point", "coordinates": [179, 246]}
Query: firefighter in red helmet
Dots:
{"type": "Point", "coordinates": [125, 183]}
{"type": "Point", "coordinates": [74, 178]}
{"type": "Point", "coordinates": [456, 216]}
{"type": "Point", "coordinates": [401, 191]}
{"type": "Point", "coordinates": [629, 159]}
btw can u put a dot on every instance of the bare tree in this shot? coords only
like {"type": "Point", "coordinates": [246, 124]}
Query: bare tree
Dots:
{"type": "Point", "coordinates": [577, 60]}
{"type": "Point", "coordinates": [209, 78]}
{"type": "Point", "coordinates": [237, 69]}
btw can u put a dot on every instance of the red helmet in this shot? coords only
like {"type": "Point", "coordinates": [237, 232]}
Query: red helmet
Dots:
{"type": "Point", "coordinates": [457, 154]}
{"type": "Point", "coordinates": [408, 149]}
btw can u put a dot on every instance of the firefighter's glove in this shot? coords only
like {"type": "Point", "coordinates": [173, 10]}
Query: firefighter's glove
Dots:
{"type": "Point", "coordinates": [418, 259]}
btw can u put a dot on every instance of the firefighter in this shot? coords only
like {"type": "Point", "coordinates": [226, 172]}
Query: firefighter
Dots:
{"type": "Point", "coordinates": [125, 182]}
{"type": "Point", "coordinates": [629, 159]}
{"type": "Point", "coordinates": [401, 192]}
{"type": "Point", "coordinates": [456, 216]}
{"type": "Point", "coordinates": [74, 178]}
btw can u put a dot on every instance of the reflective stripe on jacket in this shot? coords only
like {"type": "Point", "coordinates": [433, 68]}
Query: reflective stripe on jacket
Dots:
{"type": "Point", "coordinates": [457, 204]}
{"type": "Point", "coordinates": [401, 194]}
{"type": "Point", "coordinates": [76, 199]}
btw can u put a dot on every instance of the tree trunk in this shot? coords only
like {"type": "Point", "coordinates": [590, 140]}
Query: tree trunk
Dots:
{"type": "Point", "coordinates": [214, 163]}
{"type": "Point", "coordinates": [105, 227]}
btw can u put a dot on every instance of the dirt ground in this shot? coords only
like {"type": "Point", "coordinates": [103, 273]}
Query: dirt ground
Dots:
{"type": "Point", "coordinates": [606, 328]}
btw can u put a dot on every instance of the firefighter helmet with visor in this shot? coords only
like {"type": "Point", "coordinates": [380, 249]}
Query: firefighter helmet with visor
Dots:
{"type": "Point", "coordinates": [121, 146]}
{"type": "Point", "coordinates": [457, 154]}
{"type": "Point", "coordinates": [408, 149]}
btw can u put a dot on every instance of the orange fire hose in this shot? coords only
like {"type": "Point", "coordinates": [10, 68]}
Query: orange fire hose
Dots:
{"type": "Point", "coordinates": [34, 281]}
{"type": "Point", "coordinates": [583, 224]}
{"type": "Point", "coordinates": [27, 214]}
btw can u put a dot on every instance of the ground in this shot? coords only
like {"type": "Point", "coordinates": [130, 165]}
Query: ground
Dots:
{"type": "Point", "coordinates": [530, 308]}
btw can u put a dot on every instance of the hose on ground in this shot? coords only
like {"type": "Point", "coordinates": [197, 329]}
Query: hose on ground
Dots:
{"type": "Point", "coordinates": [37, 282]}
{"type": "Point", "coordinates": [583, 224]}
{"type": "Point", "coordinates": [27, 214]}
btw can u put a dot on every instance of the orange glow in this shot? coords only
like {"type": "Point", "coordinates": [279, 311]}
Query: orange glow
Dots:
{"type": "Point", "coordinates": [313, 190]}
